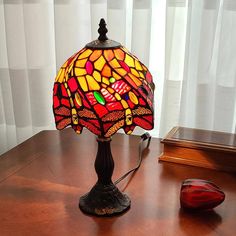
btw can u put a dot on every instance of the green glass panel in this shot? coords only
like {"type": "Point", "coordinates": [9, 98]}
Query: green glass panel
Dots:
{"type": "Point", "coordinates": [98, 96]}
{"type": "Point", "coordinates": [112, 80]}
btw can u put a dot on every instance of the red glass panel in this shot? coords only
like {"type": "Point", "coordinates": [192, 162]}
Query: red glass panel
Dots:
{"type": "Point", "coordinates": [90, 126]}
{"type": "Point", "coordinates": [109, 97]}
{"type": "Point", "coordinates": [91, 98]}
{"type": "Point", "coordinates": [56, 102]}
{"type": "Point", "coordinates": [65, 102]}
{"type": "Point", "coordinates": [131, 105]}
{"type": "Point", "coordinates": [142, 123]}
{"type": "Point", "coordinates": [63, 123]}
{"type": "Point", "coordinates": [112, 106]}
{"type": "Point", "coordinates": [120, 87]}
{"type": "Point", "coordinates": [72, 83]}
{"type": "Point", "coordinates": [63, 90]}
{"type": "Point", "coordinates": [89, 67]}
{"type": "Point", "coordinates": [100, 110]}
{"type": "Point", "coordinates": [125, 66]}
{"type": "Point", "coordinates": [107, 126]}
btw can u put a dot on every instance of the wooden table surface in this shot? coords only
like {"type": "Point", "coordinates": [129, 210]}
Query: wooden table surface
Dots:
{"type": "Point", "coordinates": [42, 179]}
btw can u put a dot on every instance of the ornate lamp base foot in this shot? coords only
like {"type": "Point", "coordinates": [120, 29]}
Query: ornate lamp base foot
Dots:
{"type": "Point", "coordinates": [104, 200]}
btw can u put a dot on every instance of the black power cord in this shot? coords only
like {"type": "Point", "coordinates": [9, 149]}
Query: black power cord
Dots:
{"type": "Point", "coordinates": [144, 137]}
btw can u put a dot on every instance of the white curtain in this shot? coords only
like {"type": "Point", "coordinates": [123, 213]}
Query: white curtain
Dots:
{"type": "Point", "coordinates": [200, 77]}
{"type": "Point", "coordinates": [37, 36]}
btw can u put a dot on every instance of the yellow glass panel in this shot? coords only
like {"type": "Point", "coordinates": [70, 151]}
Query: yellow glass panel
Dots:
{"type": "Point", "coordinates": [135, 79]}
{"type": "Point", "coordinates": [108, 54]}
{"type": "Point", "coordinates": [104, 85]}
{"type": "Point", "coordinates": [134, 72]}
{"type": "Point", "coordinates": [78, 99]}
{"type": "Point", "coordinates": [137, 65]}
{"type": "Point", "coordinates": [124, 104]}
{"type": "Point", "coordinates": [68, 92]}
{"type": "Point", "coordinates": [65, 84]}
{"type": "Point", "coordinates": [83, 83]}
{"type": "Point", "coordinates": [119, 54]}
{"type": "Point", "coordinates": [133, 98]}
{"type": "Point", "coordinates": [141, 75]}
{"type": "Point", "coordinates": [106, 71]}
{"type": "Point", "coordinates": [114, 63]}
{"type": "Point", "coordinates": [129, 60]}
{"type": "Point", "coordinates": [85, 54]}
{"type": "Point", "coordinates": [97, 76]}
{"type": "Point", "coordinates": [118, 97]}
{"type": "Point", "coordinates": [80, 71]}
{"type": "Point", "coordinates": [121, 71]}
{"type": "Point", "coordinates": [71, 102]}
{"type": "Point", "coordinates": [127, 112]}
{"type": "Point", "coordinates": [129, 132]}
{"type": "Point", "coordinates": [81, 63]}
{"type": "Point", "coordinates": [95, 55]}
{"type": "Point", "coordinates": [110, 90]}
{"type": "Point", "coordinates": [105, 80]}
{"type": "Point", "coordinates": [99, 63]}
{"type": "Point", "coordinates": [60, 75]}
{"type": "Point", "coordinates": [115, 75]}
{"type": "Point", "coordinates": [92, 83]}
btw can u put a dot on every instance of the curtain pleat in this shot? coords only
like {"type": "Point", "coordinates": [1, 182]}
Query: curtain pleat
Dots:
{"type": "Point", "coordinates": [200, 78]}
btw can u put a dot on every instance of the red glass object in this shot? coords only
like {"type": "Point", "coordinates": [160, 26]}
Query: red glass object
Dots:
{"type": "Point", "coordinates": [199, 194]}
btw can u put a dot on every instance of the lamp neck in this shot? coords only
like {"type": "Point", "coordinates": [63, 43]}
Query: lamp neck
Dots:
{"type": "Point", "coordinates": [104, 164]}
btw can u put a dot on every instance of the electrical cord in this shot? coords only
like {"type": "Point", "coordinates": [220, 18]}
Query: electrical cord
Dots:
{"type": "Point", "coordinates": [144, 137]}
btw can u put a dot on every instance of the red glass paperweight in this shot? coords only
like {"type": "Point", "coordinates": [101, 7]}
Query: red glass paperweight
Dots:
{"type": "Point", "coordinates": [199, 194]}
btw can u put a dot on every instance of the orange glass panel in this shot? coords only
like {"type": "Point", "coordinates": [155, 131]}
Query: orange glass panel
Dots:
{"type": "Point", "coordinates": [124, 104]}
{"type": "Point", "coordinates": [105, 80]}
{"type": "Point", "coordinates": [106, 71]}
{"type": "Point", "coordinates": [115, 75]}
{"type": "Point", "coordinates": [110, 90]}
{"type": "Point", "coordinates": [119, 54]}
{"type": "Point", "coordinates": [60, 75]}
{"type": "Point", "coordinates": [95, 55]}
{"type": "Point", "coordinates": [92, 83]}
{"type": "Point", "coordinates": [97, 76]}
{"type": "Point", "coordinates": [99, 63]}
{"type": "Point", "coordinates": [135, 79]}
{"type": "Point", "coordinates": [133, 98]}
{"type": "Point", "coordinates": [83, 83]}
{"type": "Point", "coordinates": [129, 60]}
{"type": "Point", "coordinates": [134, 72]}
{"type": "Point", "coordinates": [81, 63]}
{"type": "Point", "coordinates": [121, 71]}
{"type": "Point", "coordinates": [85, 54]}
{"type": "Point", "coordinates": [80, 71]}
{"type": "Point", "coordinates": [109, 55]}
{"type": "Point", "coordinates": [114, 63]}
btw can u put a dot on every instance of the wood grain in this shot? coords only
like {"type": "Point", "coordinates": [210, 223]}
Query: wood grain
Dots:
{"type": "Point", "coordinates": [203, 148]}
{"type": "Point", "coordinates": [42, 179]}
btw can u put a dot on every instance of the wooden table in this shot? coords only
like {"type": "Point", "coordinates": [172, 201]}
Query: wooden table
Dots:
{"type": "Point", "coordinates": [42, 179]}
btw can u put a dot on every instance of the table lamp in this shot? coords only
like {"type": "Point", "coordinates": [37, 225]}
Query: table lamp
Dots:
{"type": "Point", "coordinates": [103, 87]}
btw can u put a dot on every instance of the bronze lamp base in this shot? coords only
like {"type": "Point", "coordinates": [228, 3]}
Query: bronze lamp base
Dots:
{"type": "Point", "coordinates": [104, 199]}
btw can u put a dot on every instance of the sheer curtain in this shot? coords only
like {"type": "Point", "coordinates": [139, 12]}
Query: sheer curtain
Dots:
{"type": "Point", "coordinates": [200, 78]}
{"type": "Point", "coordinates": [37, 36]}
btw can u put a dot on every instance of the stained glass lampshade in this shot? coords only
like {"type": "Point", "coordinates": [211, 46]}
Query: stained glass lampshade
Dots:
{"type": "Point", "coordinates": [103, 88]}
